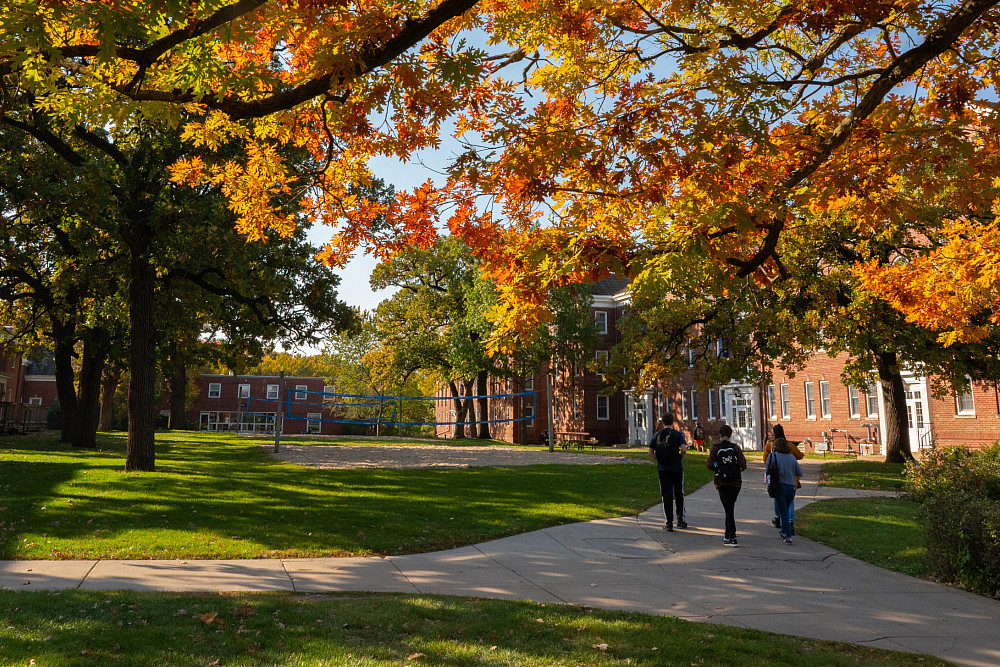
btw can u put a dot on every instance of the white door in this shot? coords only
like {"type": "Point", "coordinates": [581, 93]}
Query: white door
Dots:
{"type": "Point", "coordinates": [635, 413]}
{"type": "Point", "coordinates": [741, 418]}
{"type": "Point", "coordinates": [917, 417]}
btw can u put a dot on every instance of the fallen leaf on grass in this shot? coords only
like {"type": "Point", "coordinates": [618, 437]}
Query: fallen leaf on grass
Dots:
{"type": "Point", "coordinates": [414, 656]}
{"type": "Point", "coordinates": [603, 647]}
{"type": "Point", "coordinates": [208, 617]}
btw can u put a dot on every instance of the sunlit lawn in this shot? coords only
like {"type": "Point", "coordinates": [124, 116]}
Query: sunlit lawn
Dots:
{"type": "Point", "coordinates": [128, 628]}
{"type": "Point", "coordinates": [222, 496]}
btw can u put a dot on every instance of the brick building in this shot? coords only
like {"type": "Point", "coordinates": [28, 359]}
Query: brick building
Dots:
{"type": "Point", "coordinates": [815, 406]}
{"type": "Point", "coordinates": [249, 404]}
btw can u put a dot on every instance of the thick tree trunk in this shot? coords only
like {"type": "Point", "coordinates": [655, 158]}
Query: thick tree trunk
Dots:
{"type": "Point", "coordinates": [458, 428]}
{"type": "Point", "coordinates": [109, 387]}
{"type": "Point", "coordinates": [140, 452]}
{"type": "Point", "coordinates": [897, 432]}
{"type": "Point", "coordinates": [64, 338]}
{"type": "Point", "coordinates": [484, 406]}
{"type": "Point", "coordinates": [178, 394]}
{"type": "Point", "coordinates": [88, 402]}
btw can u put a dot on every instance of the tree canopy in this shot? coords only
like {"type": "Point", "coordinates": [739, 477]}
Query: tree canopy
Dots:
{"type": "Point", "coordinates": [596, 135]}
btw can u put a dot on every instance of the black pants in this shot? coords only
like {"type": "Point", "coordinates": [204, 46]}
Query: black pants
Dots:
{"type": "Point", "coordinates": [672, 490]}
{"type": "Point", "coordinates": [728, 495]}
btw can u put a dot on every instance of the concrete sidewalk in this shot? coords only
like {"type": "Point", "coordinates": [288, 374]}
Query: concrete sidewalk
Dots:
{"type": "Point", "coordinates": [627, 563]}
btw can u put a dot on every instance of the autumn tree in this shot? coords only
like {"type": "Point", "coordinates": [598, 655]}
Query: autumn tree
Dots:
{"type": "Point", "coordinates": [724, 120]}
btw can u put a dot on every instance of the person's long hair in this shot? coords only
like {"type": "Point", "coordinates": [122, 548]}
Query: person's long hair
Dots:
{"type": "Point", "coordinates": [781, 446]}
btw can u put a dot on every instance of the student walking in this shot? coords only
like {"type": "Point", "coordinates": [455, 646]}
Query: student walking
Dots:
{"type": "Point", "coordinates": [726, 459]}
{"type": "Point", "coordinates": [667, 446]}
{"type": "Point", "coordinates": [698, 435]}
{"type": "Point", "coordinates": [779, 434]}
{"type": "Point", "coordinates": [787, 470]}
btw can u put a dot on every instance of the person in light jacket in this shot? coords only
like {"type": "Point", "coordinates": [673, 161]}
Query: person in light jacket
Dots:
{"type": "Point", "coordinates": [788, 470]}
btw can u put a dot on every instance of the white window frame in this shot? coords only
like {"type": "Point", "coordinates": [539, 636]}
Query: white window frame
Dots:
{"type": "Point", "coordinates": [603, 408]}
{"type": "Point", "coordinates": [35, 400]}
{"type": "Point", "coordinates": [871, 400]}
{"type": "Point", "coordinates": [244, 391]}
{"type": "Point", "coordinates": [576, 406]}
{"type": "Point", "coordinates": [214, 389]}
{"type": "Point", "coordinates": [313, 420]}
{"type": "Point", "coordinates": [854, 402]}
{"type": "Point", "coordinates": [786, 401]}
{"type": "Point", "coordinates": [824, 400]}
{"type": "Point", "coordinates": [713, 407]}
{"type": "Point", "coordinates": [300, 392]}
{"type": "Point", "coordinates": [772, 403]}
{"type": "Point", "coordinates": [601, 356]}
{"type": "Point", "coordinates": [694, 404]}
{"type": "Point", "coordinates": [528, 411]}
{"type": "Point", "coordinates": [809, 389]}
{"type": "Point", "coordinates": [601, 321]}
{"type": "Point", "coordinates": [328, 389]}
{"type": "Point", "coordinates": [965, 410]}
{"type": "Point", "coordinates": [722, 406]}
{"type": "Point", "coordinates": [272, 392]}
{"type": "Point", "coordinates": [684, 405]}
{"type": "Point", "coordinates": [690, 352]}
{"type": "Point", "coordinates": [529, 382]}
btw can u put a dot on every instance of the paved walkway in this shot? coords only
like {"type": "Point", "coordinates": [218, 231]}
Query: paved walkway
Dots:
{"type": "Point", "coordinates": [626, 563]}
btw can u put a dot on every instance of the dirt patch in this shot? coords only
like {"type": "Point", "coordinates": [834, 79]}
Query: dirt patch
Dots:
{"type": "Point", "coordinates": [430, 456]}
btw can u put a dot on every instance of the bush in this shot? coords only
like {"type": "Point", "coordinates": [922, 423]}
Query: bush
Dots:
{"type": "Point", "coordinates": [959, 492]}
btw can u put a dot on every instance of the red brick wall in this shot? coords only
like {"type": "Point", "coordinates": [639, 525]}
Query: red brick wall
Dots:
{"type": "Point", "coordinates": [40, 386]}
{"type": "Point", "coordinates": [977, 429]}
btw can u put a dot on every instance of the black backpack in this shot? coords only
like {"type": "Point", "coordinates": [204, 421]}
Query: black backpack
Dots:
{"type": "Point", "coordinates": [668, 446]}
{"type": "Point", "coordinates": [772, 478]}
{"type": "Point", "coordinates": [727, 464]}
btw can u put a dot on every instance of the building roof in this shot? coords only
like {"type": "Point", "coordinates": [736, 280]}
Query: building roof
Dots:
{"type": "Point", "coordinates": [609, 286]}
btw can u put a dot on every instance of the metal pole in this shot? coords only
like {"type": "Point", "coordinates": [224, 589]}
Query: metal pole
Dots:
{"type": "Point", "coordinates": [399, 428]}
{"type": "Point", "coordinates": [551, 411]}
{"type": "Point", "coordinates": [278, 416]}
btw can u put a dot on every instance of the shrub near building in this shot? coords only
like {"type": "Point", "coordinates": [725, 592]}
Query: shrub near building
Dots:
{"type": "Point", "coordinates": [959, 492]}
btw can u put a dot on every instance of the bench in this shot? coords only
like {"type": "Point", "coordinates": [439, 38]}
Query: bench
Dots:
{"type": "Point", "coordinates": [577, 439]}
{"type": "Point", "coordinates": [829, 446]}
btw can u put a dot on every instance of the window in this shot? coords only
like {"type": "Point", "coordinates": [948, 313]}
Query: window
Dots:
{"type": "Point", "coordinates": [244, 391]}
{"type": "Point", "coordinates": [601, 320]}
{"type": "Point", "coordinates": [603, 408]}
{"type": "Point", "coordinates": [272, 392]}
{"type": "Point", "coordinates": [694, 404]}
{"type": "Point", "coordinates": [214, 389]}
{"type": "Point", "coordinates": [786, 402]}
{"type": "Point", "coordinates": [772, 402]}
{"type": "Point", "coordinates": [872, 396]}
{"type": "Point", "coordinates": [854, 401]}
{"type": "Point", "coordinates": [964, 403]}
{"type": "Point", "coordinates": [810, 400]}
{"type": "Point", "coordinates": [577, 370]}
{"type": "Point", "coordinates": [529, 383]}
{"type": "Point", "coordinates": [528, 411]}
{"type": "Point", "coordinates": [35, 400]}
{"type": "Point", "coordinates": [713, 408]}
{"type": "Point", "coordinates": [690, 352]}
{"type": "Point", "coordinates": [576, 406]}
{"type": "Point", "coordinates": [602, 362]}
{"type": "Point", "coordinates": [722, 405]}
{"type": "Point", "coordinates": [684, 405]}
{"type": "Point", "coordinates": [300, 392]}
{"type": "Point", "coordinates": [312, 422]}
{"type": "Point", "coordinates": [824, 399]}
{"type": "Point", "coordinates": [327, 390]}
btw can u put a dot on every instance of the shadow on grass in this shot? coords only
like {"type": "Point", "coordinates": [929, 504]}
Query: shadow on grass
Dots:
{"type": "Point", "coordinates": [26, 489]}
{"type": "Point", "coordinates": [122, 628]}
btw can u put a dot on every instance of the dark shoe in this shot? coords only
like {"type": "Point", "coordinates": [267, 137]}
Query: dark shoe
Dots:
{"type": "Point", "coordinates": [682, 524]}
{"type": "Point", "coordinates": [782, 536]}
{"type": "Point", "coordinates": [726, 542]}
{"type": "Point", "coordinates": [791, 527]}
{"type": "Point", "coordinates": [787, 541]}
{"type": "Point", "coordinates": [733, 543]}
{"type": "Point", "coordinates": [669, 527]}
{"type": "Point", "coordinates": [776, 522]}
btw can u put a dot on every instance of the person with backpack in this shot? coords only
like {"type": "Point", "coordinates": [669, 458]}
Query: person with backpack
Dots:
{"type": "Point", "coordinates": [781, 464]}
{"type": "Point", "coordinates": [779, 434]}
{"type": "Point", "coordinates": [698, 435]}
{"type": "Point", "coordinates": [728, 462]}
{"type": "Point", "coordinates": [667, 446]}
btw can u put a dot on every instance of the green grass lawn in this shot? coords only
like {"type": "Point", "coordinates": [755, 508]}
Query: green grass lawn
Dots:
{"type": "Point", "coordinates": [223, 496]}
{"type": "Point", "coordinates": [126, 628]}
{"type": "Point", "coordinates": [871, 475]}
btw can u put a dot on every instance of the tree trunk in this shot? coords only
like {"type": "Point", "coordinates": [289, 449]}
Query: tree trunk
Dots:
{"type": "Point", "coordinates": [64, 337]}
{"type": "Point", "coordinates": [484, 406]}
{"type": "Point", "coordinates": [88, 402]}
{"type": "Point", "coordinates": [458, 428]}
{"type": "Point", "coordinates": [178, 394]}
{"type": "Point", "coordinates": [897, 432]}
{"type": "Point", "coordinates": [140, 452]}
{"type": "Point", "coordinates": [109, 387]}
